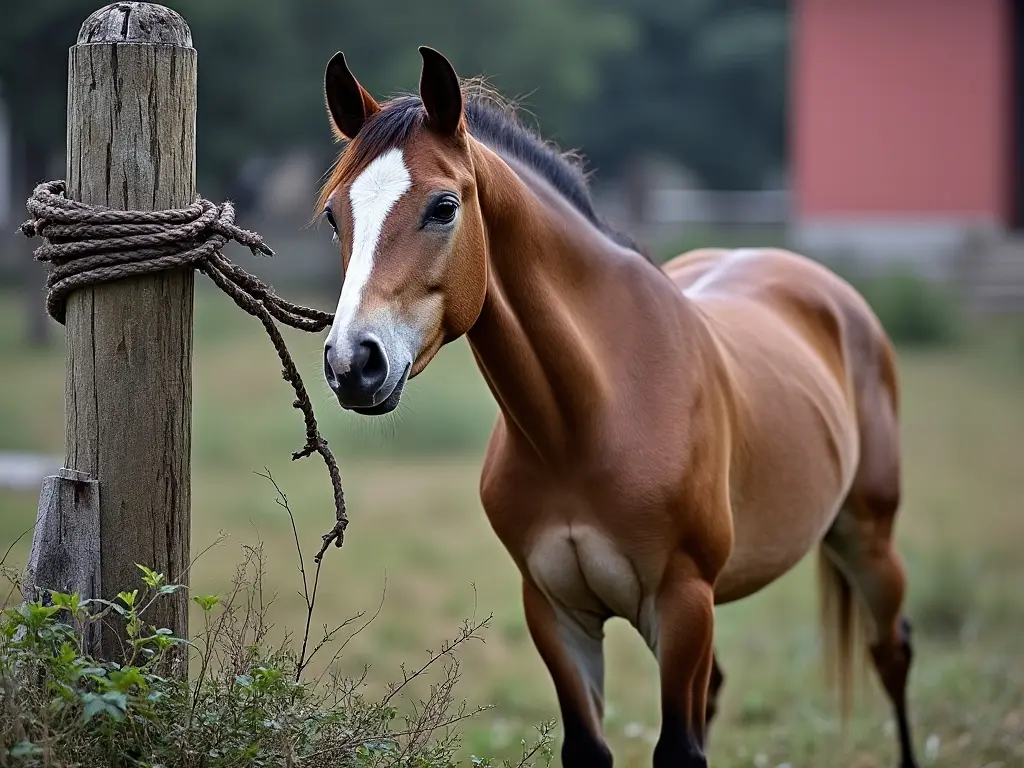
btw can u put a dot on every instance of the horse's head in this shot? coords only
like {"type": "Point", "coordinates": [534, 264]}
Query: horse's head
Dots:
{"type": "Point", "coordinates": [403, 203]}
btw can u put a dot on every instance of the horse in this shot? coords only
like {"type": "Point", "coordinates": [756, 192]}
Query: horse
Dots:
{"type": "Point", "coordinates": [669, 439]}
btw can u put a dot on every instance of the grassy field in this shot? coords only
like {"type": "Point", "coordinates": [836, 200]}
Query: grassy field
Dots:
{"type": "Point", "coordinates": [417, 526]}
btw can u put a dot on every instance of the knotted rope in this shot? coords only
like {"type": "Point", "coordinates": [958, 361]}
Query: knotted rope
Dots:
{"type": "Point", "coordinates": [86, 245]}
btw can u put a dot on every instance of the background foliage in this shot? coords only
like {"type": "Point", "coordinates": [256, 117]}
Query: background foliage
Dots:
{"type": "Point", "coordinates": [586, 68]}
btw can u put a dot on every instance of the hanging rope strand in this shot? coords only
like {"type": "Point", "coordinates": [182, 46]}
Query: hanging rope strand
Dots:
{"type": "Point", "coordinates": [87, 245]}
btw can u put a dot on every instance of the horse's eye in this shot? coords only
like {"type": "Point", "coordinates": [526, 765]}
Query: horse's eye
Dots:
{"type": "Point", "coordinates": [330, 219]}
{"type": "Point", "coordinates": [444, 210]}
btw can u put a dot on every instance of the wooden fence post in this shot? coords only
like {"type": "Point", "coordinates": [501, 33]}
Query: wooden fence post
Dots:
{"type": "Point", "coordinates": [65, 555]}
{"type": "Point", "coordinates": [131, 145]}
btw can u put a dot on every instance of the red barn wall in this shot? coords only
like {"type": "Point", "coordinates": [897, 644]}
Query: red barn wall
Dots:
{"type": "Point", "coordinates": [902, 110]}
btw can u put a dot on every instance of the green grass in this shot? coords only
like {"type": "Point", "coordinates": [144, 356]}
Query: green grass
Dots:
{"type": "Point", "coordinates": [417, 526]}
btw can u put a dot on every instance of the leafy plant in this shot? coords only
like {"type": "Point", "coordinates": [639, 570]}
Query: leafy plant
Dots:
{"type": "Point", "coordinates": [251, 702]}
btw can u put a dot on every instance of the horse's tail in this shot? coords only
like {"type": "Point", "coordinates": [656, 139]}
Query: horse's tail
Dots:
{"type": "Point", "coordinates": [843, 629]}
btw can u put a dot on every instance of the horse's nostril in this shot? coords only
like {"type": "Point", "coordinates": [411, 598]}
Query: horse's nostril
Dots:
{"type": "Point", "coordinates": [329, 374]}
{"type": "Point", "coordinates": [375, 365]}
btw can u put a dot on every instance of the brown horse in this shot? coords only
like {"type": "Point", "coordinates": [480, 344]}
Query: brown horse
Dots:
{"type": "Point", "coordinates": [668, 440]}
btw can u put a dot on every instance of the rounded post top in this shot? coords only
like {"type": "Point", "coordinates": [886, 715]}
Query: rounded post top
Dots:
{"type": "Point", "coordinates": [135, 22]}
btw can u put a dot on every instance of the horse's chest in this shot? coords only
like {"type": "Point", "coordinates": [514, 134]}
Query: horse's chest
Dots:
{"type": "Point", "coordinates": [587, 544]}
{"type": "Point", "coordinates": [582, 569]}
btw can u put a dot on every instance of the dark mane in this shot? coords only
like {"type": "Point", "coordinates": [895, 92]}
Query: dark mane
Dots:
{"type": "Point", "coordinates": [494, 122]}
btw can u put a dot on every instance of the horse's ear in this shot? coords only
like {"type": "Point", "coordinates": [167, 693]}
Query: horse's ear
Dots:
{"type": "Point", "coordinates": [347, 101]}
{"type": "Point", "coordinates": [440, 93]}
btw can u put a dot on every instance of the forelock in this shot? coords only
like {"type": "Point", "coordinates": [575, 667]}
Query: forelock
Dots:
{"type": "Point", "coordinates": [390, 128]}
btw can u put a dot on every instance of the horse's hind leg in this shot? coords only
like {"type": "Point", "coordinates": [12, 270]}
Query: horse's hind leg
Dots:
{"type": "Point", "coordinates": [863, 551]}
{"type": "Point", "coordinates": [860, 544]}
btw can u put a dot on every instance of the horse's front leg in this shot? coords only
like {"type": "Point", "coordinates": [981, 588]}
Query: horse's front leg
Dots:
{"type": "Point", "coordinates": [571, 645]}
{"type": "Point", "coordinates": [685, 653]}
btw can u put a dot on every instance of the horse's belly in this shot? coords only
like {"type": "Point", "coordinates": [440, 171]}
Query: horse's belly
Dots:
{"type": "Point", "coordinates": [775, 529]}
{"type": "Point", "coordinates": [801, 451]}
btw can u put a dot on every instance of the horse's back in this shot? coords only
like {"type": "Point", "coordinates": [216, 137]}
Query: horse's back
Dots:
{"type": "Point", "coordinates": [802, 297]}
{"type": "Point", "coordinates": [811, 375]}
{"type": "Point", "coordinates": [811, 301]}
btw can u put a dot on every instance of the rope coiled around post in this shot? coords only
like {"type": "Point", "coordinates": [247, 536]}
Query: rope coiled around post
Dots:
{"type": "Point", "coordinates": [86, 245]}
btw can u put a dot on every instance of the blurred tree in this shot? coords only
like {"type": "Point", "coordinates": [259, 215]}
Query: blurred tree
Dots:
{"type": "Point", "coordinates": [261, 64]}
{"type": "Point", "coordinates": [263, 88]}
{"type": "Point", "coordinates": [703, 80]}
{"type": "Point", "coordinates": [706, 85]}
{"type": "Point", "coordinates": [34, 40]}
{"type": "Point", "coordinates": [547, 51]}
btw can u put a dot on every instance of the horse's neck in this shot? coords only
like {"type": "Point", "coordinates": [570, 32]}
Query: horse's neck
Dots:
{"type": "Point", "coordinates": [567, 316]}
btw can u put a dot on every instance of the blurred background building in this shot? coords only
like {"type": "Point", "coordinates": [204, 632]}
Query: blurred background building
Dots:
{"type": "Point", "coordinates": [906, 136]}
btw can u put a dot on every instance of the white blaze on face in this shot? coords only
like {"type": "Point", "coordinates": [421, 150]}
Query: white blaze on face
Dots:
{"type": "Point", "coordinates": [373, 195]}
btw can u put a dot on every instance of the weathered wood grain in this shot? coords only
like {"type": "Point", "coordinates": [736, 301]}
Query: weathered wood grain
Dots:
{"type": "Point", "coordinates": [65, 554]}
{"type": "Point", "coordinates": [131, 145]}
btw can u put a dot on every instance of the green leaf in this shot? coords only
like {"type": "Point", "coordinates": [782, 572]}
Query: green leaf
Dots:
{"type": "Point", "coordinates": [206, 602]}
{"type": "Point", "coordinates": [39, 613]}
{"type": "Point", "coordinates": [117, 700]}
{"type": "Point", "coordinates": [150, 577]}
{"type": "Point", "coordinates": [113, 704]}
{"type": "Point", "coordinates": [128, 598]}
{"type": "Point", "coordinates": [25, 748]}
{"type": "Point", "coordinates": [107, 603]}
{"type": "Point", "coordinates": [62, 600]}
{"type": "Point", "coordinates": [94, 704]}
{"type": "Point", "coordinates": [62, 689]}
{"type": "Point", "coordinates": [67, 654]}
{"type": "Point", "coordinates": [124, 679]}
